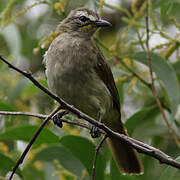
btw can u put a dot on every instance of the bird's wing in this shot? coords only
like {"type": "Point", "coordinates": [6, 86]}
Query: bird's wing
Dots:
{"type": "Point", "coordinates": [105, 74]}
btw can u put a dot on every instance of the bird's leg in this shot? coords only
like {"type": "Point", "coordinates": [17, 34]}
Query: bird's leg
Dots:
{"type": "Point", "coordinates": [95, 133]}
{"type": "Point", "coordinates": [57, 118]}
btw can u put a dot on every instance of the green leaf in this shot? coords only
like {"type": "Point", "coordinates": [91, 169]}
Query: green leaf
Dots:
{"type": "Point", "coordinates": [25, 133]}
{"type": "Point", "coordinates": [84, 150]}
{"type": "Point", "coordinates": [3, 4]}
{"type": "Point", "coordinates": [17, 90]}
{"type": "Point", "coordinates": [161, 3]}
{"type": "Point", "coordinates": [170, 173]}
{"type": "Point", "coordinates": [7, 164]}
{"type": "Point", "coordinates": [176, 67]}
{"type": "Point", "coordinates": [165, 73]}
{"type": "Point", "coordinates": [144, 114]}
{"type": "Point", "coordinates": [30, 90]}
{"type": "Point", "coordinates": [30, 172]}
{"type": "Point", "coordinates": [64, 156]}
{"type": "Point", "coordinates": [174, 10]}
{"type": "Point", "coordinates": [115, 174]}
{"type": "Point", "coordinates": [165, 9]}
{"type": "Point", "coordinates": [6, 107]}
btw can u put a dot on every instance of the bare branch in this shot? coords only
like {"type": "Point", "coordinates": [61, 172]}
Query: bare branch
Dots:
{"type": "Point", "coordinates": [139, 146]}
{"type": "Point", "coordinates": [95, 156]}
{"type": "Point", "coordinates": [42, 116]}
{"type": "Point", "coordinates": [64, 105]}
{"type": "Point", "coordinates": [20, 160]}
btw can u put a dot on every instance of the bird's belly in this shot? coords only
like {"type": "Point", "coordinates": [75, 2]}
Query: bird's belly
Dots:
{"type": "Point", "coordinates": [84, 91]}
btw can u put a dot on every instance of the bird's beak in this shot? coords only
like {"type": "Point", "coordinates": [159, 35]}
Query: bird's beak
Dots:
{"type": "Point", "coordinates": [102, 23]}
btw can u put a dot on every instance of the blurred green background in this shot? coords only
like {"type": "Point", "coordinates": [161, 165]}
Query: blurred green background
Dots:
{"type": "Point", "coordinates": [26, 29]}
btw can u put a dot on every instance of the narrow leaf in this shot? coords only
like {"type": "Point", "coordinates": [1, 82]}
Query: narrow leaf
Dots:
{"type": "Point", "coordinates": [171, 173]}
{"type": "Point", "coordinates": [84, 150]}
{"type": "Point", "coordinates": [115, 174]}
{"type": "Point", "coordinates": [7, 164]}
{"type": "Point", "coordinates": [25, 133]}
{"type": "Point", "coordinates": [165, 73]}
{"type": "Point", "coordinates": [144, 114]}
{"type": "Point", "coordinates": [64, 156]}
{"type": "Point", "coordinates": [6, 107]}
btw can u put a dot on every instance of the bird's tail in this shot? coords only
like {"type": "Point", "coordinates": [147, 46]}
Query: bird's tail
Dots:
{"type": "Point", "coordinates": [126, 157]}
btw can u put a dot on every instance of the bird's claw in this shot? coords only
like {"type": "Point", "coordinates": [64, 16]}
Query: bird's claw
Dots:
{"type": "Point", "coordinates": [57, 118]}
{"type": "Point", "coordinates": [95, 133]}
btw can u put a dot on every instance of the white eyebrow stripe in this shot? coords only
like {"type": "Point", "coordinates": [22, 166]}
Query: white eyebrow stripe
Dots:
{"type": "Point", "coordinates": [92, 18]}
{"type": "Point", "coordinates": [84, 13]}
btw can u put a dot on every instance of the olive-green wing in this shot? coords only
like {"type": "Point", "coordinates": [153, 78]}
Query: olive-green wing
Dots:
{"type": "Point", "coordinates": [104, 72]}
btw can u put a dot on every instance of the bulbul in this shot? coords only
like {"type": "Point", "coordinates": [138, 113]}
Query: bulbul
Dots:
{"type": "Point", "coordinates": [77, 72]}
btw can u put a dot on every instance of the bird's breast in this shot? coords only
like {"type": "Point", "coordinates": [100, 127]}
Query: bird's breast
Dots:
{"type": "Point", "coordinates": [72, 77]}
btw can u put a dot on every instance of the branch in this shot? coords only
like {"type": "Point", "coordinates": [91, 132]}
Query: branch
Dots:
{"type": "Point", "coordinates": [95, 156]}
{"type": "Point", "coordinates": [171, 131]}
{"type": "Point", "coordinates": [42, 116]}
{"type": "Point", "coordinates": [64, 105]}
{"type": "Point", "coordinates": [20, 160]}
{"type": "Point", "coordinates": [139, 146]}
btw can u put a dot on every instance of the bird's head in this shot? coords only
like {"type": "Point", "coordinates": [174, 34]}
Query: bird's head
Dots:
{"type": "Point", "coordinates": [82, 22]}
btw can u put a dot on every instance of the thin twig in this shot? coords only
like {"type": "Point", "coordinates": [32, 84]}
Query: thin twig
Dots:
{"type": "Point", "coordinates": [134, 73]}
{"type": "Point", "coordinates": [43, 116]}
{"type": "Point", "coordinates": [140, 40]}
{"type": "Point", "coordinates": [20, 160]}
{"type": "Point", "coordinates": [139, 146]}
{"type": "Point", "coordinates": [172, 132]}
{"type": "Point", "coordinates": [64, 105]}
{"type": "Point", "coordinates": [123, 10]}
{"type": "Point", "coordinates": [101, 4]}
{"type": "Point", "coordinates": [95, 155]}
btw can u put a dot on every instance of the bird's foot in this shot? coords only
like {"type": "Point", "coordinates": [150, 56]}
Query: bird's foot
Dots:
{"type": "Point", "coordinates": [57, 118]}
{"type": "Point", "coordinates": [95, 133]}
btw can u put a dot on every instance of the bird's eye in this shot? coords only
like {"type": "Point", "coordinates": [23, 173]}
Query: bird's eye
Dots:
{"type": "Point", "coordinates": [83, 18]}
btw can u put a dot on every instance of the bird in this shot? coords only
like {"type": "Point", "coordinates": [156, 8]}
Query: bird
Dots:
{"type": "Point", "coordinates": [77, 72]}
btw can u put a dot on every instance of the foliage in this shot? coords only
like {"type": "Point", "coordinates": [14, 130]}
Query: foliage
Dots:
{"type": "Point", "coordinates": [27, 28]}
